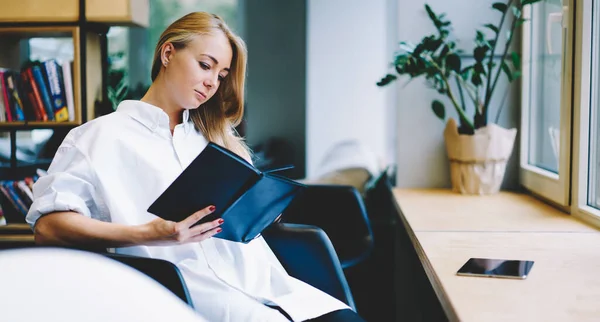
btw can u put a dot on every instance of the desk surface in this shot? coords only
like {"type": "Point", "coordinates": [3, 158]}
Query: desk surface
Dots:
{"type": "Point", "coordinates": [447, 229]}
{"type": "Point", "coordinates": [443, 210]}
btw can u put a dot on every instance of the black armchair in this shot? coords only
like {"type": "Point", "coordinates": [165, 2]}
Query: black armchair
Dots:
{"type": "Point", "coordinates": [340, 211]}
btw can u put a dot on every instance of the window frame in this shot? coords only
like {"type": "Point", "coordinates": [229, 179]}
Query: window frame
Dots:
{"type": "Point", "coordinates": [548, 185]}
{"type": "Point", "coordinates": [585, 99]}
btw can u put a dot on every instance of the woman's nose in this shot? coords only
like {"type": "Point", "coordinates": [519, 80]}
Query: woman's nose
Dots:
{"type": "Point", "coordinates": [210, 82]}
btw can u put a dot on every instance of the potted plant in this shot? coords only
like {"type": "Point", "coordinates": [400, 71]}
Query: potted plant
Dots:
{"type": "Point", "coordinates": [477, 149]}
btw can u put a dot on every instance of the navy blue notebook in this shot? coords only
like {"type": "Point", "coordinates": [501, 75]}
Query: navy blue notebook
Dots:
{"type": "Point", "coordinates": [248, 200]}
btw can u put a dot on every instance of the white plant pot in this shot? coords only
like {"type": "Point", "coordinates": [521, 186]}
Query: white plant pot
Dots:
{"type": "Point", "coordinates": [478, 162]}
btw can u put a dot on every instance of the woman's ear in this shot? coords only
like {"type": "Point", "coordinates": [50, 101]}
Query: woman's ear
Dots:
{"type": "Point", "coordinates": [166, 53]}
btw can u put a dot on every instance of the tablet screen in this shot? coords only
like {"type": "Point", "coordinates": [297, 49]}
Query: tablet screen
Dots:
{"type": "Point", "coordinates": [488, 267]}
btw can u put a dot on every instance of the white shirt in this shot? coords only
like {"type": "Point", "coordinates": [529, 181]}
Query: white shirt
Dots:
{"type": "Point", "coordinates": [113, 167]}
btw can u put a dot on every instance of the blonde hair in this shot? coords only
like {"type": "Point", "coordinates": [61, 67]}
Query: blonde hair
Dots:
{"type": "Point", "coordinates": [217, 118]}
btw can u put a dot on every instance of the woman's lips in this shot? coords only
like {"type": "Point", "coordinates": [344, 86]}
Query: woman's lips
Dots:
{"type": "Point", "coordinates": [200, 95]}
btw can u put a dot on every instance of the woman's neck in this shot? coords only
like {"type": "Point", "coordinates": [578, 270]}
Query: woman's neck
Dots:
{"type": "Point", "coordinates": [154, 97]}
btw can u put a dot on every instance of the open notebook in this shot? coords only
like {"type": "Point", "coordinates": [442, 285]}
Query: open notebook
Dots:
{"type": "Point", "coordinates": [247, 199]}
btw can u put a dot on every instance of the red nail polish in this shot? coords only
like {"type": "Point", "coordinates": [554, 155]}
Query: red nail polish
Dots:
{"type": "Point", "coordinates": [221, 221]}
{"type": "Point", "coordinates": [219, 230]}
{"type": "Point", "coordinates": [211, 208]}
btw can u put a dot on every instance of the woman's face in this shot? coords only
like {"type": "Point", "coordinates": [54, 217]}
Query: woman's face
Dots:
{"type": "Point", "coordinates": [195, 72]}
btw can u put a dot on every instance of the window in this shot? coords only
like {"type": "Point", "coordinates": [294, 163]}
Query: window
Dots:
{"type": "Point", "coordinates": [579, 162]}
{"type": "Point", "coordinates": [593, 182]}
{"type": "Point", "coordinates": [587, 173]}
{"type": "Point", "coordinates": [545, 96]}
{"type": "Point", "coordinates": [546, 100]}
{"type": "Point", "coordinates": [594, 163]}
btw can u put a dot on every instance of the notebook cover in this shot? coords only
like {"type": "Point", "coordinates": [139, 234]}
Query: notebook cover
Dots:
{"type": "Point", "coordinates": [221, 178]}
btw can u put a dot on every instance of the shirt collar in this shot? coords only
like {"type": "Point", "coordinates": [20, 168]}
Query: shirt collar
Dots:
{"type": "Point", "coordinates": [151, 116]}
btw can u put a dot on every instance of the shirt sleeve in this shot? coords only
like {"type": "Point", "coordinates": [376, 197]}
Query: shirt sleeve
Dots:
{"type": "Point", "coordinates": [68, 186]}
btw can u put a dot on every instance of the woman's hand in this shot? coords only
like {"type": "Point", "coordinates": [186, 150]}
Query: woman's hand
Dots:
{"type": "Point", "coordinates": [165, 232]}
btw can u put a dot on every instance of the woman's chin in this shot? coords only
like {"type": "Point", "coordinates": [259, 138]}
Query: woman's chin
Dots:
{"type": "Point", "coordinates": [192, 106]}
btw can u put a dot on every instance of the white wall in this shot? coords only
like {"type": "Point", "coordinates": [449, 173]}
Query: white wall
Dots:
{"type": "Point", "coordinates": [347, 53]}
{"type": "Point", "coordinates": [422, 160]}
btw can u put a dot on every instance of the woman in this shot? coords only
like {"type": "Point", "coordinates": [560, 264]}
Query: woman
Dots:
{"type": "Point", "coordinates": [108, 171]}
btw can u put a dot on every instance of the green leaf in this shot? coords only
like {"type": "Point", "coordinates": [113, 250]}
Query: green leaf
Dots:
{"type": "Point", "coordinates": [386, 80]}
{"type": "Point", "coordinates": [476, 79]}
{"type": "Point", "coordinates": [479, 37]}
{"type": "Point", "coordinates": [500, 6]}
{"type": "Point", "coordinates": [520, 21]}
{"type": "Point", "coordinates": [453, 62]}
{"type": "Point", "coordinates": [438, 109]}
{"type": "Point", "coordinates": [444, 51]}
{"type": "Point", "coordinates": [491, 27]}
{"type": "Point", "coordinates": [516, 11]}
{"type": "Point", "coordinates": [507, 71]}
{"type": "Point", "coordinates": [430, 13]}
{"type": "Point", "coordinates": [478, 68]}
{"type": "Point", "coordinates": [526, 2]}
{"type": "Point", "coordinates": [479, 52]}
{"type": "Point", "coordinates": [516, 60]}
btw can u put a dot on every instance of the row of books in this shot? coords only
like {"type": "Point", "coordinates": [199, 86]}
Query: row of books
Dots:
{"type": "Point", "coordinates": [39, 91]}
{"type": "Point", "coordinates": [17, 195]}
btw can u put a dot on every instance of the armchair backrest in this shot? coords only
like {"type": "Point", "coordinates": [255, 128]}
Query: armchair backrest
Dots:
{"type": "Point", "coordinates": [307, 254]}
{"type": "Point", "coordinates": [340, 211]}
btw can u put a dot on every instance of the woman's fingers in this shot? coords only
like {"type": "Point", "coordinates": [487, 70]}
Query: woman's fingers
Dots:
{"type": "Point", "coordinates": [193, 218]}
{"type": "Point", "coordinates": [205, 235]}
{"type": "Point", "coordinates": [202, 228]}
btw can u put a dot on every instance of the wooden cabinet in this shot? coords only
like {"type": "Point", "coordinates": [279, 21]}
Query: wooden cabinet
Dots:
{"type": "Point", "coordinates": [79, 25]}
{"type": "Point", "coordinates": [112, 12]}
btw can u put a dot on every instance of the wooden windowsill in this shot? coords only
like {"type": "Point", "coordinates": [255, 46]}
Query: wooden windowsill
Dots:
{"type": "Point", "coordinates": [446, 229]}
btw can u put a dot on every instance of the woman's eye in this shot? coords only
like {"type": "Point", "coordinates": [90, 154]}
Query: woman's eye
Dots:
{"type": "Point", "coordinates": [204, 65]}
{"type": "Point", "coordinates": [221, 78]}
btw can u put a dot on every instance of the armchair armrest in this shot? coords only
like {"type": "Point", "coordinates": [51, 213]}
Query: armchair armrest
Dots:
{"type": "Point", "coordinates": [162, 271]}
{"type": "Point", "coordinates": [307, 254]}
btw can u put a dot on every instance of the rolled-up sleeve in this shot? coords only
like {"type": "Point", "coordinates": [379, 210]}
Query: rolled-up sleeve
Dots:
{"type": "Point", "coordinates": [68, 186]}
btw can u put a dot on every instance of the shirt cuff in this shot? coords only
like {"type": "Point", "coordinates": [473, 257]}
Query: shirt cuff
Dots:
{"type": "Point", "coordinates": [55, 202]}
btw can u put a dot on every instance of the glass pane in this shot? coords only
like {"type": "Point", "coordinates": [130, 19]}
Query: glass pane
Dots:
{"type": "Point", "coordinates": [545, 84]}
{"type": "Point", "coordinates": [594, 160]}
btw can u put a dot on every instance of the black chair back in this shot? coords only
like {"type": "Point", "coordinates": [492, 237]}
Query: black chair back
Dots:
{"type": "Point", "coordinates": [340, 211]}
{"type": "Point", "coordinates": [307, 254]}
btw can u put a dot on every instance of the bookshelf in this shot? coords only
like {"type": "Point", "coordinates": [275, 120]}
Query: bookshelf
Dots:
{"type": "Point", "coordinates": [85, 24]}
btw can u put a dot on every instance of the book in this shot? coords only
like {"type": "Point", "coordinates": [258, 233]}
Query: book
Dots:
{"type": "Point", "coordinates": [53, 75]}
{"type": "Point", "coordinates": [248, 200]}
{"type": "Point", "coordinates": [67, 77]}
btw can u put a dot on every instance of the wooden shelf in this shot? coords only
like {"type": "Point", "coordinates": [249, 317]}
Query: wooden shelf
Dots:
{"type": "Point", "coordinates": [109, 12]}
{"type": "Point", "coordinates": [17, 238]}
{"type": "Point", "coordinates": [15, 229]}
{"type": "Point", "coordinates": [35, 125]}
